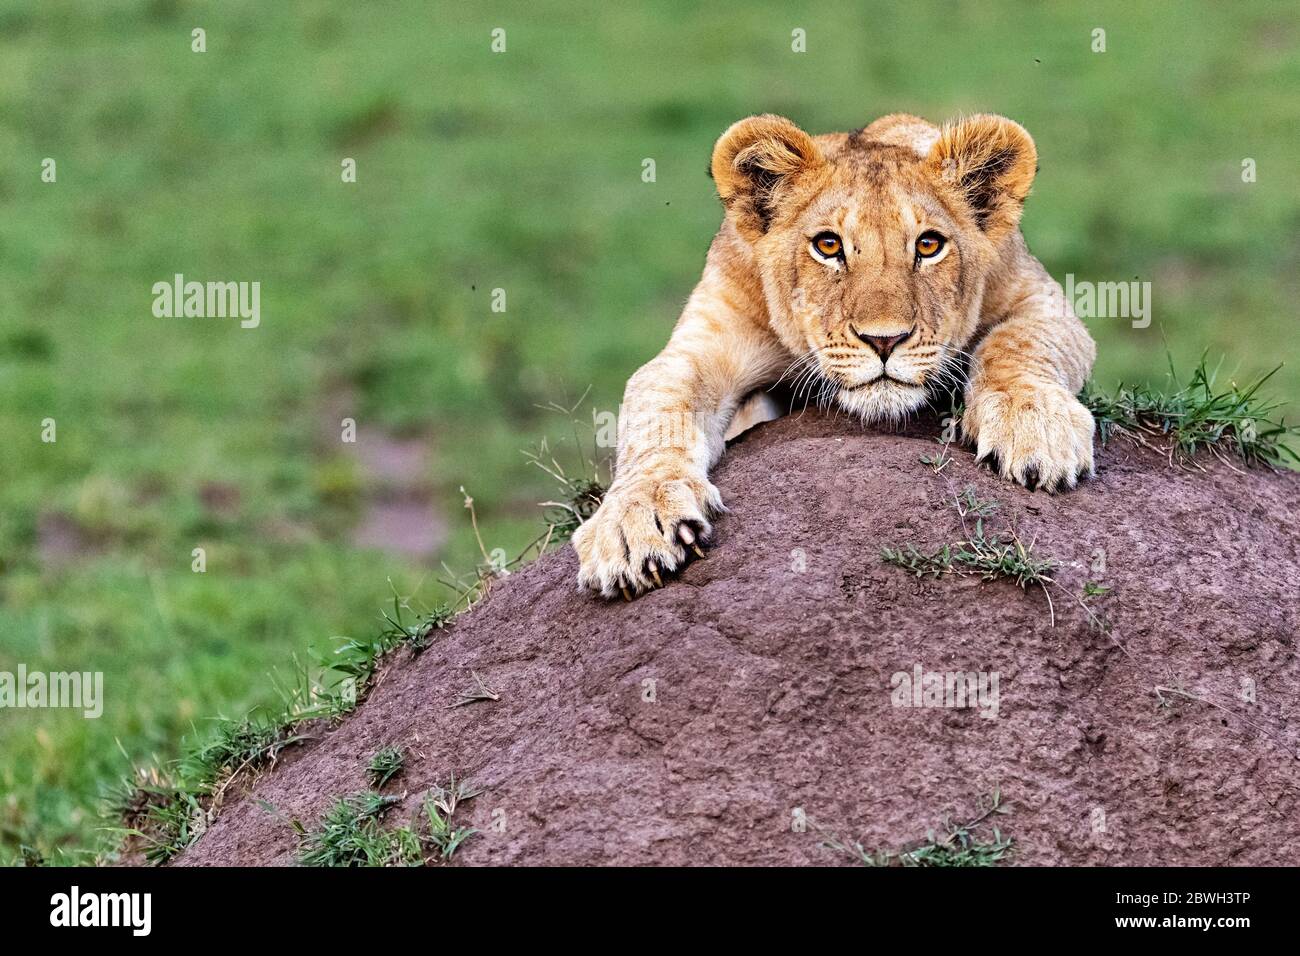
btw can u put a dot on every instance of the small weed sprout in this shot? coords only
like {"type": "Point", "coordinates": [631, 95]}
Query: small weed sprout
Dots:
{"type": "Point", "coordinates": [386, 764]}
{"type": "Point", "coordinates": [440, 805]}
{"type": "Point", "coordinates": [417, 635]}
{"type": "Point", "coordinates": [1096, 622]}
{"type": "Point", "coordinates": [939, 460]}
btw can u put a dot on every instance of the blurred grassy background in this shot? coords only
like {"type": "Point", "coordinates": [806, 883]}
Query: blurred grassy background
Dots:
{"type": "Point", "coordinates": [477, 171]}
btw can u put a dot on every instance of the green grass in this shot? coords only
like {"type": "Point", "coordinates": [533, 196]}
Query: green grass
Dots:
{"type": "Point", "coordinates": [991, 556]}
{"type": "Point", "coordinates": [386, 764]}
{"type": "Point", "coordinates": [162, 810]}
{"type": "Point", "coordinates": [351, 832]}
{"type": "Point", "coordinates": [954, 845]}
{"type": "Point", "coordinates": [1199, 416]}
{"type": "Point", "coordinates": [477, 171]}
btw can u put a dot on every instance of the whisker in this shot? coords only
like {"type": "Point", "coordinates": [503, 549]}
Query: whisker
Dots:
{"type": "Point", "coordinates": [802, 359]}
{"type": "Point", "coordinates": [798, 366]}
{"type": "Point", "coordinates": [954, 350]}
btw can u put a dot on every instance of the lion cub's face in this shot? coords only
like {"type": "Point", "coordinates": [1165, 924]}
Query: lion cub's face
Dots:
{"type": "Point", "coordinates": [873, 254]}
{"type": "Point", "coordinates": [882, 283]}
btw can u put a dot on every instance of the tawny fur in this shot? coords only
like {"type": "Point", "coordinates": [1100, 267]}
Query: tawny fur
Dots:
{"type": "Point", "coordinates": [768, 306]}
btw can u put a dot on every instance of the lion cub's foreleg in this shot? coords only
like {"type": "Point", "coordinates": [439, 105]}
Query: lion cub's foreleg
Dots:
{"type": "Point", "coordinates": [675, 412]}
{"type": "Point", "coordinates": [1025, 374]}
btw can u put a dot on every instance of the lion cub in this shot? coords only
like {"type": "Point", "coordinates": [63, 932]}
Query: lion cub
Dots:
{"type": "Point", "coordinates": [866, 266]}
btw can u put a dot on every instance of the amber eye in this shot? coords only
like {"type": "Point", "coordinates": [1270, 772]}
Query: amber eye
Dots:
{"type": "Point", "coordinates": [827, 244]}
{"type": "Point", "coordinates": [929, 245]}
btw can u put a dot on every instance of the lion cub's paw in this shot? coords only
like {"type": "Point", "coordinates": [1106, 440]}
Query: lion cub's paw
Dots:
{"type": "Point", "coordinates": [643, 530]}
{"type": "Point", "coordinates": [1040, 435]}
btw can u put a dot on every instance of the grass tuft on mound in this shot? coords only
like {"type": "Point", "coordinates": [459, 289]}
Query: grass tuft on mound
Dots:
{"type": "Point", "coordinates": [991, 556]}
{"type": "Point", "coordinates": [350, 832]}
{"type": "Point", "coordinates": [1197, 416]}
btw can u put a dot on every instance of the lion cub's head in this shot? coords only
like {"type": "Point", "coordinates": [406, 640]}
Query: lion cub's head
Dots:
{"type": "Point", "coordinates": [874, 247]}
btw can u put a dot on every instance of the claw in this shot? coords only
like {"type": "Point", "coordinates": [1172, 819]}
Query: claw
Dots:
{"type": "Point", "coordinates": [688, 538]}
{"type": "Point", "coordinates": [626, 595]}
{"type": "Point", "coordinates": [654, 573]}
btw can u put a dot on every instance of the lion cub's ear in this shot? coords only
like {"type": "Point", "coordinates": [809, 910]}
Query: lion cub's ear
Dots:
{"type": "Point", "coordinates": [751, 161]}
{"type": "Point", "coordinates": [991, 161]}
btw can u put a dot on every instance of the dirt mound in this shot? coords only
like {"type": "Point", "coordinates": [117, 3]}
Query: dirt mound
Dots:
{"type": "Point", "coordinates": [762, 701]}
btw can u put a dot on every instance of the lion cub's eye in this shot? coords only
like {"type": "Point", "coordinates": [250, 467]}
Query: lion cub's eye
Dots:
{"type": "Point", "coordinates": [827, 245]}
{"type": "Point", "coordinates": [929, 245]}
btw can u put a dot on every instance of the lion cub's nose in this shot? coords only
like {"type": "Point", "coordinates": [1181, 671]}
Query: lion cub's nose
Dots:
{"type": "Point", "coordinates": [884, 344]}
